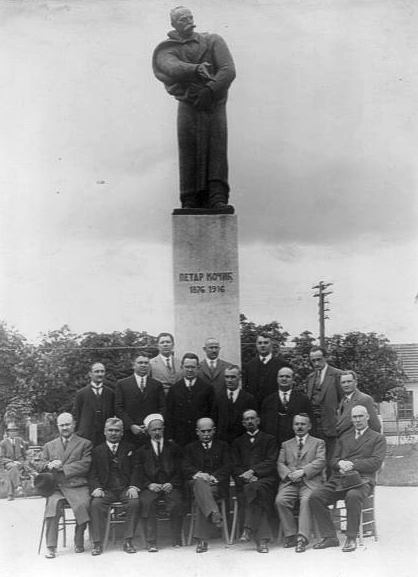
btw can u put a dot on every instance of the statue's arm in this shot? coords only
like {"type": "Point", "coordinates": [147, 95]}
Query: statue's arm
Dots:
{"type": "Point", "coordinates": [169, 62]}
{"type": "Point", "coordinates": [224, 64]}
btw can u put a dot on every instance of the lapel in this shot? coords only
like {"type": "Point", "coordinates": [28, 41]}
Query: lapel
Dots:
{"type": "Point", "coordinates": [324, 385]}
{"type": "Point", "coordinates": [363, 439]}
{"type": "Point", "coordinates": [308, 444]}
{"type": "Point", "coordinates": [205, 369]}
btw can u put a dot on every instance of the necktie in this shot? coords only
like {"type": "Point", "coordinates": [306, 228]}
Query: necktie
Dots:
{"type": "Point", "coordinates": [285, 398]}
{"type": "Point", "coordinates": [97, 391]}
{"type": "Point", "coordinates": [114, 449]}
{"type": "Point", "coordinates": [264, 360]}
{"type": "Point", "coordinates": [142, 384]}
{"type": "Point", "coordinates": [206, 446]}
{"type": "Point", "coordinates": [168, 364]}
{"type": "Point", "coordinates": [64, 442]}
{"type": "Point", "coordinates": [252, 439]}
{"type": "Point", "coordinates": [212, 365]}
{"type": "Point", "coordinates": [358, 435]}
{"type": "Point", "coordinates": [189, 384]}
{"type": "Point", "coordinates": [300, 447]}
{"type": "Point", "coordinates": [231, 396]}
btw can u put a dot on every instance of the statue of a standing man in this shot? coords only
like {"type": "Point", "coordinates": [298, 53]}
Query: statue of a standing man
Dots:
{"type": "Point", "coordinates": [197, 69]}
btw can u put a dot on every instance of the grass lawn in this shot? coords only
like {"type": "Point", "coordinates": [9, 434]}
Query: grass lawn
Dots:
{"type": "Point", "coordinates": [400, 468]}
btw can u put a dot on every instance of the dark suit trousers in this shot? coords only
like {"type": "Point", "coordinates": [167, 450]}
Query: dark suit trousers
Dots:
{"type": "Point", "coordinates": [51, 528]}
{"type": "Point", "coordinates": [174, 507]}
{"type": "Point", "coordinates": [205, 496]}
{"type": "Point", "coordinates": [327, 495]}
{"type": "Point", "coordinates": [255, 514]}
{"type": "Point", "coordinates": [98, 510]}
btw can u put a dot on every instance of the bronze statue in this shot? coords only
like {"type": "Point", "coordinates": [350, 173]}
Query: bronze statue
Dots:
{"type": "Point", "coordinates": [197, 69]}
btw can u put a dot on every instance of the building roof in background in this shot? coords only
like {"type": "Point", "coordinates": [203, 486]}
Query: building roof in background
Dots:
{"type": "Point", "coordinates": [408, 356]}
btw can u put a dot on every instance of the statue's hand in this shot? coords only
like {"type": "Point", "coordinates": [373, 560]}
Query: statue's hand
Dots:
{"type": "Point", "coordinates": [203, 69]}
{"type": "Point", "coordinates": [204, 100]}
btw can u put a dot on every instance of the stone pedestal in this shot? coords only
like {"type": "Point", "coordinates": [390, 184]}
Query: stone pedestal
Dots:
{"type": "Point", "coordinates": [206, 295]}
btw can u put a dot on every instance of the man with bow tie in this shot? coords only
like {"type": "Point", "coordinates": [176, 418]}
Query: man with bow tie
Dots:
{"type": "Point", "coordinates": [359, 454]}
{"type": "Point", "coordinates": [159, 463]}
{"type": "Point", "coordinates": [68, 458]}
{"type": "Point", "coordinates": [279, 408]}
{"type": "Point", "coordinates": [93, 405]}
{"type": "Point", "coordinates": [254, 457]}
{"type": "Point", "coordinates": [136, 397]}
{"type": "Point", "coordinates": [113, 477]}
{"type": "Point", "coordinates": [301, 464]}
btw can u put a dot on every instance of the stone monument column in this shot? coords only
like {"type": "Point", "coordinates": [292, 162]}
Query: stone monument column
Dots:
{"type": "Point", "coordinates": [206, 287]}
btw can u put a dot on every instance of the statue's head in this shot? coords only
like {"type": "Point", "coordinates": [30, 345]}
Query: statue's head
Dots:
{"type": "Point", "coordinates": [182, 21]}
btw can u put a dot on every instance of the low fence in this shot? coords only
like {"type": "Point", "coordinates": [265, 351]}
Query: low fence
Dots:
{"type": "Point", "coordinates": [401, 431]}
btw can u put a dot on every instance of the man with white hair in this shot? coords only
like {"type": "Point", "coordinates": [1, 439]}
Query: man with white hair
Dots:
{"type": "Point", "coordinates": [67, 458]}
{"type": "Point", "coordinates": [159, 463]}
{"type": "Point", "coordinates": [113, 477]}
{"type": "Point", "coordinates": [359, 454]}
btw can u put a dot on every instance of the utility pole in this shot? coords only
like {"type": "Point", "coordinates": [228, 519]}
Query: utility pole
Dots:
{"type": "Point", "coordinates": [321, 287]}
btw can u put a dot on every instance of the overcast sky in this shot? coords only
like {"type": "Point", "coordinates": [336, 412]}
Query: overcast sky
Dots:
{"type": "Point", "coordinates": [322, 152]}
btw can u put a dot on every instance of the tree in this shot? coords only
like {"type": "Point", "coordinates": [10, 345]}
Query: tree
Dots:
{"type": "Point", "coordinates": [375, 362]}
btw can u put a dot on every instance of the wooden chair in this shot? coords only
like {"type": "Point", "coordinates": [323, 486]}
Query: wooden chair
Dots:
{"type": "Point", "coordinates": [65, 521]}
{"type": "Point", "coordinates": [367, 526]}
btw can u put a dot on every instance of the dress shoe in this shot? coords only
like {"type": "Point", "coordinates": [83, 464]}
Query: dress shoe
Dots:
{"type": "Point", "coordinates": [262, 546]}
{"type": "Point", "coordinates": [10, 498]}
{"type": "Point", "coordinates": [245, 535]}
{"type": "Point", "coordinates": [177, 543]}
{"type": "Point", "coordinates": [97, 549]}
{"type": "Point", "coordinates": [349, 545]}
{"type": "Point", "coordinates": [290, 542]}
{"type": "Point", "coordinates": [300, 546]}
{"type": "Point", "coordinates": [78, 549]}
{"type": "Point", "coordinates": [50, 554]}
{"type": "Point", "coordinates": [202, 546]}
{"type": "Point", "coordinates": [128, 547]}
{"type": "Point", "coordinates": [216, 519]}
{"type": "Point", "coordinates": [327, 542]}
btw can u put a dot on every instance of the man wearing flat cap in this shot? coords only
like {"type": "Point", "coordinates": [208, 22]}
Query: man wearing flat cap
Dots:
{"type": "Point", "coordinates": [12, 456]}
{"type": "Point", "coordinates": [113, 477]}
{"type": "Point", "coordinates": [159, 461]}
{"type": "Point", "coordinates": [358, 455]}
{"type": "Point", "coordinates": [68, 458]}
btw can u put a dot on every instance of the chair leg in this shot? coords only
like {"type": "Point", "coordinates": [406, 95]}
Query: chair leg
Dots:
{"type": "Point", "coordinates": [233, 535]}
{"type": "Point", "coordinates": [108, 522]}
{"type": "Point", "coordinates": [42, 535]}
{"type": "Point", "coordinates": [191, 525]}
{"type": "Point", "coordinates": [225, 522]}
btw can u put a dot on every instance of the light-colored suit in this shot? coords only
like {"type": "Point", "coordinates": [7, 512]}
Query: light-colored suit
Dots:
{"type": "Point", "coordinates": [312, 461]}
{"type": "Point", "coordinates": [160, 372]}
{"type": "Point", "coordinates": [215, 377]}
{"type": "Point", "coordinates": [344, 422]}
{"type": "Point", "coordinates": [72, 483]}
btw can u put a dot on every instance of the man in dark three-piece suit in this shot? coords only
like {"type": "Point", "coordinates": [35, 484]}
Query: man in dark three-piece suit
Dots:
{"type": "Point", "coordinates": [136, 397]}
{"type": "Point", "coordinates": [260, 374]}
{"type": "Point", "coordinates": [324, 391]}
{"type": "Point", "coordinates": [113, 477]}
{"type": "Point", "coordinates": [359, 454]}
{"type": "Point", "coordinates": [229, 405]}
{"type": "Point", "coordinates": [353, 397]}
{"type": "Point", "coordinates": [160, 462]}
{"type": "Point", "coordinates": [301, 466]}
{"type": "Point", "coordinates": [254, 457]}
{"type": "Point", "coordinates": [93, 405]}
{"type": "Point", "coordinates": [211, 370]}
{"type": "Point", "coordinates": [188, 400]}
{"type": "Point", "coordinates": [206, 468]}
{"type": "Point", "coordinates": [279, 408]}
{"type": "Point", "coordinates": [68, 458]}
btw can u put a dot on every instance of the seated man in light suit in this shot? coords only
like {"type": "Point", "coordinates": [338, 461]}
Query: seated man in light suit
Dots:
{"type": "Point", "coordinates": [68, 458]}
{"type": "Point", "coordinates": [301, 464]}
{"type": "Point", "coordinates": [358, 455]}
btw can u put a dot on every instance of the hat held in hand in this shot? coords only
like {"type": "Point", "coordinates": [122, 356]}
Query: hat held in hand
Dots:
{"type": "Point", "coordinates": [350, 480]}
{"type": "Point", "coordinates": [45, 484]}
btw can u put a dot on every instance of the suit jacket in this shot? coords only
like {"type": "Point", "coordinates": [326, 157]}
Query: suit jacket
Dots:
{"type": "Point", "coordinates": [216, 377]}
{"type": "Point", "coordinates": [72, 481]}
{"type": "Point", "coordinates": [329, 398]}
{"type": "Point", "coordinates": [132, 406]}
{"type": "Point", "coordinates": [228, 416]}
{"type": "Point", "coordinates": [261, 379]}
{"type": "Point", "coordinates": [215, 461]}
{"type": "Point", "coordinates": [160, 372]}
{"type": "Point", "coordinates": [166, 467]}
{"type": "Point", "coordinates": [277, 420]}
{"type": "Point", "coordinates": [184, 408]}
{"type": "Point", "coordinates": [366, 453]}
{"type": "Point", "coordinates": [91, 412]}
{"type": "Point", "coordinates": [344, 422]}
{"type": "Point", "coordinates": [101, 462]}
{"type": "Point", "coordinates": [260, 456]}
{"type": "Point", "coordinates": [10, 452]}
{"type": "Point", "coordinates": [312, 460]}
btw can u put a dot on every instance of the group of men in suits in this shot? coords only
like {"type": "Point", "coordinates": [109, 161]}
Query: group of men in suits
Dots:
{"type": "Point", "coordinates": [256, 428]}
